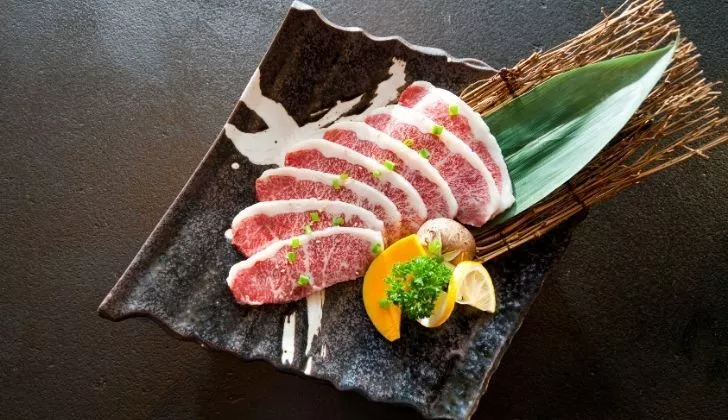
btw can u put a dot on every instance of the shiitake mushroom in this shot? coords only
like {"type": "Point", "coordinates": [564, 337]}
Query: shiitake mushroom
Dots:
{"type": "Point", "coordinates": [458, 244]}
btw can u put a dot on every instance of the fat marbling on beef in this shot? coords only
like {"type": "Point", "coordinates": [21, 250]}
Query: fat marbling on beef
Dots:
{"type": "Point", "coordinates": [325, 156]}
{"type": "Point", "coordinates": [321, 259]}
{"type": "Point", "coordinates": [469, 179]}
{"type": "Point", "coordinates": [448, 110]}
{"type": "Point", "coordinates": [291, 183]}
{"type": "Point", "coordinates": [413, 166]}
{"type": "Point", "coordinates": [258, 225]}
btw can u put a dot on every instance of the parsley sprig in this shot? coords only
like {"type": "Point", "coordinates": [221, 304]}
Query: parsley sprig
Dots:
{"type": "Point", "coordinates": [416, 284]}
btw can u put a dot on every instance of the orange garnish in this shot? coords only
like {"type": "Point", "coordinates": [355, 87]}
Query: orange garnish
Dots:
{"type": "Point", "coordinates": [387, 318]}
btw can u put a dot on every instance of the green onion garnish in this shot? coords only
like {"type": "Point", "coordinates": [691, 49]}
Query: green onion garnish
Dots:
{"type": "Point", "coordinates": [425, 153]}
{"type": "Point", "coordinates": [336, 184]}
{"type": "Point", "coordinates": [295, 243]}
{"type": "Point", "coordinates": [338, 221]}
{"type": "Point", "coordinates": [437, 129]}
{"type": "Point", "coordinates": [389, 165]}
{"type": "Point", "coordinates": [307, 229]}
{"type": "Point", "coordinates": [303, 280]}
{"type": "Point", "coordinates": [453, 110]}
{"type": "Point", "coordinates": [376, 248]}
{"type": "Point", "coordinates": [314, 216]}
{"type": "Point", "coordinates": [343, 177]}
{"type": "Point", "coordinates": [377, 173]}
{"type": "Point", "coordinates": [408, 142]}
{"type": "Point", "coordinates": [292, 256]}
{"type": "Point", "coordinates": [435, 247]}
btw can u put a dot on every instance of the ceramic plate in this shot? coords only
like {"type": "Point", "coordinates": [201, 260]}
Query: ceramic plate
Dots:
{"type": "Point", "coordinates": [313, 73]}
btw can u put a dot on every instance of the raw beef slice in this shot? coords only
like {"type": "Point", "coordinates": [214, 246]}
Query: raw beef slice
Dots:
{"type": "Point", "coordinates": [283, 273]}
{"type": "Point", "coordinates": [469, 179]}
{"type": "Point", "coordinates": [448, 110]}
{"type": "Point", "coordinates": [324, 156]}
{"type": "Point", "coordinates": [413, 166]}
{"type": "Point", "coordinates": [268, 221]}
{"type": "Point", "coordinates": [290, 183]}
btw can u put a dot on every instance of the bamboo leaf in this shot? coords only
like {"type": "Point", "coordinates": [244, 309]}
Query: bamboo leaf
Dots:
{"type": "Point", "coordinates": [550, 133]}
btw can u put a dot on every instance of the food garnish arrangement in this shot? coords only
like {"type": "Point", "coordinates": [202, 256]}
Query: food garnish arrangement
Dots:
{"type": "Point", "coordinates": [381, 215]}
{"type": "Point", "coordinates": [382, 196]}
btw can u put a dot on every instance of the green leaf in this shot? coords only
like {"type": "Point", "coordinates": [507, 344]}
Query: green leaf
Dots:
{"type": "Point", "coordinates": [550, 133]}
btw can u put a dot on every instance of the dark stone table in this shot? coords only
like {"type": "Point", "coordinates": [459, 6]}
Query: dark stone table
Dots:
{"type": "Point", "coordinates": [106, 108]}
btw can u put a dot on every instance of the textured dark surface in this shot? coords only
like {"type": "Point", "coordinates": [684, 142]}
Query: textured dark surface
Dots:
{"type": "Point", "coordinates": [107, 107]}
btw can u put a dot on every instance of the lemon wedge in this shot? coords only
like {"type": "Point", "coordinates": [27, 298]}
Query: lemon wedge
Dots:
{"type": "Point", "coordinates": [475, 286]}
{"type": "Point", "coordinates": [444, 306]}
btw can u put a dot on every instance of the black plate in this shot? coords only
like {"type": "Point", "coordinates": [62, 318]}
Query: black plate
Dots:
{"type": "Point", "coordinates": [178, 276]}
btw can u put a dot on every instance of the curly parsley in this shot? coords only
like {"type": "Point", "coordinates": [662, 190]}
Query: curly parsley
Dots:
{"type": "Point", "coordinates": [416, 284]}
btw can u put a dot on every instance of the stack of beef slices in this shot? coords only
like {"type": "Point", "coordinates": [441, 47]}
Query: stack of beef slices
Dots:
{"type": "Point", "coordinates": [340, 199]}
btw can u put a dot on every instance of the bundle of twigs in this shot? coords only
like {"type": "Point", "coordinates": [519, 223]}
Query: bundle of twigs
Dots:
{"type": "Point", "coordinates": [677, 121]}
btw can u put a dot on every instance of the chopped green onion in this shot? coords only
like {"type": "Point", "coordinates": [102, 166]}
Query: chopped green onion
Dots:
{"type": "Point", "coordinates": [376, 248]}
{"type": "Point", "coordinates": [437, 129]}
{"type": "Point", "coordinates": [408, 142]}
{"type": "Point", "coordinates": [343, 177]}
{"type": "Point", "coordinates": [314, 216]}
{"type": "Point", "coordinates": [303, 280]}
{"type": "Point", "coordinates": [338, 221]}
{"type": "Point", "coordinates": [377, 173]}
{"type": "Point", "coordinates": [307, 229]}
{"type": "Point", "coordinates": [425, 153]}
{"type": "Point", "coordinates": [292, 256]}
{"type": "Point", "coordinates": [389, 165]}
{"type": "Point", "coordinates": [453, 110]}
{"type": "Point", "coordinates": [295, 243]}
{"type": "Point", "coordinates": [336, 184]}
{"type": "Point", "coordinates": [434, 248]}
{"type": "Point", "coordinates": [384, 303]}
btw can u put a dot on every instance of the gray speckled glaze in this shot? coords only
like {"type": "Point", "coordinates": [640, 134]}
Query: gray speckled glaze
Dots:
{"type": "Point", "coordinates": [178, 276]}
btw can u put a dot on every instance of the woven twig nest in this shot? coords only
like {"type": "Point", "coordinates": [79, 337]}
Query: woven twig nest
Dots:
{"type": "Point", "coordinates": [677, 121]}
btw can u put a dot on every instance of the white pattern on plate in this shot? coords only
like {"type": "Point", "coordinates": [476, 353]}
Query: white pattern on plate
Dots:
{"type": "Point", "coordinates": [266, 147]}
{"type": "Point", "coordinates": [288, 343]}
